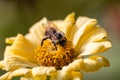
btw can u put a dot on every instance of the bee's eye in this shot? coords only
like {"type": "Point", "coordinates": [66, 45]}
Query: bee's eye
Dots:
{"type": "Point", "coordinates": [59, 36]}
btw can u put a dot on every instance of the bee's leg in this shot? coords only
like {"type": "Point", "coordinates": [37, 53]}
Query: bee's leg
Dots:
{"type": "Point", "coordinates": [43, 40]}
{"type": "Point", "coordinates": [54, 45]}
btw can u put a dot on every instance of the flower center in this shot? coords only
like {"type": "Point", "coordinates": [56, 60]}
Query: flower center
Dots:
{"type": "Point", "coordinates": [47, 55]}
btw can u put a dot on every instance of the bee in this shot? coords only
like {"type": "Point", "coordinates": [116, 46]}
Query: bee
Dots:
{"type": "Point", "coordinates": [55, 35]}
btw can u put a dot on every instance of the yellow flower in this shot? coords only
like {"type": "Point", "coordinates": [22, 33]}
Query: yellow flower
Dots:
{"type": "Point", "coordinates": [27, 58]}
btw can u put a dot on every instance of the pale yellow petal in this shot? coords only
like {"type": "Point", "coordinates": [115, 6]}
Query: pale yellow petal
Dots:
{"type": "Point", "coordinates": [66, 24]}
{"type": "Point", "coordinates": [37, 71]}
{"type": "Point", "coordinates": [2, 65]}
{"type": "Point", "coordinates": [75, 65]}
{"type": "Point", "coordinates": [95, 47]}
{"type": "Point", "coordinates": [90, 39]}
{"type": "Point", "coordinates": [27, 78]}
{"type": "Point", "coordinates": [19, 72]}
{"type": "Point", "coordinates": [12, 62]}
{"type": "Point", "coordinates": [82, 28]}
{"type": "Point", "coordinates": [36, 32]}
{"type": "Point", "coordinates": [23, 48]}
{"type": "Point", "coordinates": [66, 75]}
{"type": "Point", "coordinates": [5, 76]}
{"type": "Point", "coordinates": [94, 63]}
{"type": "Point", "coordinates": [41, 73]}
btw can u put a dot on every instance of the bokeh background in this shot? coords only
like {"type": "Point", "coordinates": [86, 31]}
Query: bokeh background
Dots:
{"type": "Point", "coordinates": [16, 16]}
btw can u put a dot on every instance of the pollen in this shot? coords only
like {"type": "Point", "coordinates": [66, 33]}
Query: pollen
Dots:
{"type": "Point", "coordinates": [47, 55]}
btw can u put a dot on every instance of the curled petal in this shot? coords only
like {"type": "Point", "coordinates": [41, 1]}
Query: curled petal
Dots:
{"type": "Point", "coordinates": [23, 48]}
{"type": "Point", "coordinates": [95, 47]}
{"type": "Point", "coordinates": [75, 65]}
{"type": "Point", "coordinates": [94, 63]}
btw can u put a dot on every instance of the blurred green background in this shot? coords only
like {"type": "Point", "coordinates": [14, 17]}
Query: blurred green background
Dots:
{"type": "Point", "coordinates": [16, 16]}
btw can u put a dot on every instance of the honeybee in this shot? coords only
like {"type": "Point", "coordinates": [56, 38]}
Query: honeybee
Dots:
{"type": "Point", "coordinates": [55, 35]}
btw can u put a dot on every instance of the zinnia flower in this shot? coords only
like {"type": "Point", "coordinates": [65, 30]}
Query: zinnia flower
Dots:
{"type": "Point", "coordinates": [59, 54]}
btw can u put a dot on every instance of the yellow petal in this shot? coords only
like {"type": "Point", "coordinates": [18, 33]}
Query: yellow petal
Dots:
{"type": "Point", "coordinates": [27, 78]}
{"type": "Point", "coordinates": [37, 71]}
{"type": "Point", "coordinates": [19, 72]}
{"type": "Point", "coordinates": [66, 75]}
{"type": "Point", "coordinates": [94, 63]}
{"type": "Point", "coordinates": [12, 62]}
{"type": "Point", "coordinates": [86, 25]}
{"type": "Point", "coordinates": [90, 38]}
{"type": "Point", "coordinates": [2, 65]}
{"type": "Point", "coordinates": [5, 76]}
{"type": "Point", "coordinates": [10, 40]}
{"type": "Point", "coordinates": [95, 47]}
{"type": "Point", "coordinates": [75, 65]}
{"type": "Point", "coordinates": [66, 24]}
{"type": "Point", "coordinates": [36, 32]}
{"type": "Point", "coordinates": [23, 48]}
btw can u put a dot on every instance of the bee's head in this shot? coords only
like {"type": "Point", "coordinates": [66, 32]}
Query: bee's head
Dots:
{"type": "Point", "coordinates": [60, 35]}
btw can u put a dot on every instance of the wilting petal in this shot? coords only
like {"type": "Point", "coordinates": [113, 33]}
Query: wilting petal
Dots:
{"type": "Point", "coordinates": [23, 48]}
{"type": "Point", "coordinates": [75, 65]}
{"type": "Point", "coordinates": [36, 32]}
{"type": "Point", "coordinates": [66, 75]}
{"type": "Point", "coordinates": [12, 61]}
{"type": "Point", "coordinates": [94, 63]}
{"type": "Point", "coordinates": [66, 24]}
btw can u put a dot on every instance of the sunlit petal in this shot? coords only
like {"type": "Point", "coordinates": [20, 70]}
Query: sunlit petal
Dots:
{"type": "Point", "coordinates": [20, 72]}
{"type": "Point", "coordinates": [12, 61]}
{"type": "Point", "coordinates": [75, 65]}
{"type": "Point", "coordinates": [66, 24]}
{"type": "Point", "coordinates": [2, 65]}
{"type": "Point", "coordinates": [94, 63]}
{"type": "Point", "coordinates": [5, 76]}
{"type": "Point", "coordinates": [95, 47]}
{"type": "Point", "coordinates": [36, 71]}
{"type": "Point", "coordinates": [36, 32]}
{"type": "Point", "coordinates": [88, 34]}
{"type": "Point", "coordinates": [10, 40]}
{"type": "Point", "coordinates": [23, 48]}
{"type": "Point", "coordinates": [27, 78]}
{"type": "Point", "coordinates": [66, 75]}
